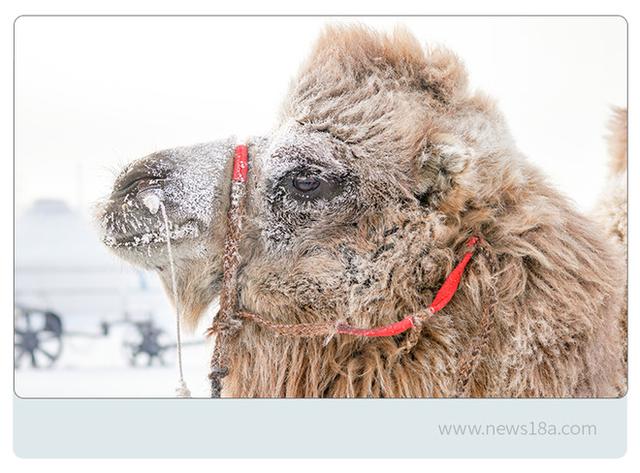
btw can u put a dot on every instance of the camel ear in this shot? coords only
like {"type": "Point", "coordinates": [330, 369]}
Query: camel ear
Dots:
{"type": "Point", "coordinates": [440, 168]}
{"type": "Point", "coordinates": [444, 74]}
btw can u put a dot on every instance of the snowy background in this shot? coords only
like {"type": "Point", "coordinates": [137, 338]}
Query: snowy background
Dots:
{"type": "Point", "coordinates": [94, 93]}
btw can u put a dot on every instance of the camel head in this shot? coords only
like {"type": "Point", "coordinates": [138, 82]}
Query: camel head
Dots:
{"type": "Point", "coordinates": [358, 204]}
{"type": "Point", "coordinates": [353, 195]}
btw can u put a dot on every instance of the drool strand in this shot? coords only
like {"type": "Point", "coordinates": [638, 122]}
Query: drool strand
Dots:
{"type": "Point", "coordinates": [182, 390]}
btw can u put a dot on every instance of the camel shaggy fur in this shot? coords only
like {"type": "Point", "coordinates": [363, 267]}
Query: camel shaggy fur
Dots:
{"type": "Point", "coordinates": [611, 210]}
{"type": "Point", "coordinates": [360, 202]}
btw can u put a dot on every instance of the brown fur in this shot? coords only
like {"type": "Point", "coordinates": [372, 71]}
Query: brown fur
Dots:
{"type": "Point", "coordinates": [422, 164]}
{"type": "Point", "coordinates": [412, 128]}
{"type": "Point", "coordinates": [611, 211]}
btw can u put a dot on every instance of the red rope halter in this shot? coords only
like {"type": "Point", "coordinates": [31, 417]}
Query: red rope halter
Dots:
{"type": "Point", "coordinates": [444, 295]}
{"type": "Point", "coordinates": [228, 314]}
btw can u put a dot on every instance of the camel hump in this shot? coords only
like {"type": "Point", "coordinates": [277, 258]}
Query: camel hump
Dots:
{"type": "Point", "coordinates": [611, 208]}
{"type": "Point", "coordinates": [617, 139]}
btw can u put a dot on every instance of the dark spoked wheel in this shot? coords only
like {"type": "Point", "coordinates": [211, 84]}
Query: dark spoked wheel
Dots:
{"type": "Point", "coordinates": [37, 338]}
{"type": "Point", "coordinates": [145, 343]}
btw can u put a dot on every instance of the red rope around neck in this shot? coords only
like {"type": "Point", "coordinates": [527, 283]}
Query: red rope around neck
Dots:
{"type": "Point", "coordinates": [225, 323]}
{"type": "Point", "coordinates": [444, 295]}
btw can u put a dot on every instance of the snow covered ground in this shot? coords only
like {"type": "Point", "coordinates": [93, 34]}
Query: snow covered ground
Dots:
{"type": "Point", "coordinates": [100, 368]}
{"type": "Point", "coordinates": [61, 266]}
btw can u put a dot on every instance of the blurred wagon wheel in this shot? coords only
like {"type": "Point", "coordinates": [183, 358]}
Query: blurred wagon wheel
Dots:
{"type": "Point", "coordinates": [144, 344]}
{"type": "Point", "coordinates": [37, 338]}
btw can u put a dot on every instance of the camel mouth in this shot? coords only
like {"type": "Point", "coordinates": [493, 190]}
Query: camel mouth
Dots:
{"type": "Point", "coordinates": [156, 238]}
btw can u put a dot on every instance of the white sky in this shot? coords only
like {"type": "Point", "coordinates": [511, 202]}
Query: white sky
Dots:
{"type": "Point", "coordinates": [94, 93]}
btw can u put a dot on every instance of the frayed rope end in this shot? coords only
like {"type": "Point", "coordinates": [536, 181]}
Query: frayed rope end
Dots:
{"type": "Point", "coordinates": [182, 390]}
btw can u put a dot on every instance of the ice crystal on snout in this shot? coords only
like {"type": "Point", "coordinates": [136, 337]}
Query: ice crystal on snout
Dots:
{"type": "Point", "coordinates": [151, 200]}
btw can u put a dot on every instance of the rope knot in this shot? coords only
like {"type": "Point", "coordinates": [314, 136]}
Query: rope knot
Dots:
{"type": "Point", "coordinates": [229, 325]}
{"type": "Point", "coordinates": [413, 336]}
{"type": "Point", "coordinates": [215, 376]}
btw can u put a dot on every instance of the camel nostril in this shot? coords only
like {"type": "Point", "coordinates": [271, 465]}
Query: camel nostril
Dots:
{"type": "Point", "coordinates": [136, 184]}
{"type": "Point", "coordinates": [142, 176]}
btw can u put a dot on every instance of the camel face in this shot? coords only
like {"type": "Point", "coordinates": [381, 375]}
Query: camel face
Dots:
{"type": "Point", "coordinates": [185, 181]}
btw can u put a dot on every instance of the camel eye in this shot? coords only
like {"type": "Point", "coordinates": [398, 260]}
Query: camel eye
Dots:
{"type": "Point", "coordinates": [305, 183]}
{"type": "Point", "coordinates": [306, 187]}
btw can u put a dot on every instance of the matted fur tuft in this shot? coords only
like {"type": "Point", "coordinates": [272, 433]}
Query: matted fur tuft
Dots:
{"type": "Point", "coordinates": [611, 209]}
{"type": "Point", "coordinates": [618, 140]}
{"type": "Point", "coordinates": [398, 55]}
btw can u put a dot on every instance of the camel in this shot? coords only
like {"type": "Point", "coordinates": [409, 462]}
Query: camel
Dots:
{"type": "Point", "coordinates": [359, 204]}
